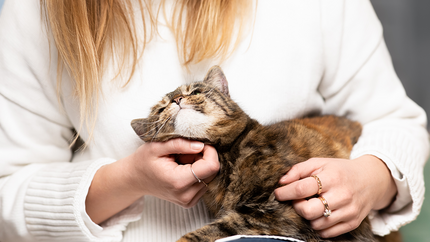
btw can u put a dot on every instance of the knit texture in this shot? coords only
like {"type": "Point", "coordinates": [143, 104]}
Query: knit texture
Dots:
{"type": "Point", "coordinates": [395, 144]}
{"type": "Point", "coordinates": [168, 217]}
{"type": "Point", "coordinates": [54, 204]}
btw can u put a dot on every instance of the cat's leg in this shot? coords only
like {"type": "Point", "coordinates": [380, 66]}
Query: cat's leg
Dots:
{"type": "Point", "coordinates": [234, 223]}
{"type": "Point", "coordinates": [228, 225]}
{"type": "Point", "coordinates": [287, 224]}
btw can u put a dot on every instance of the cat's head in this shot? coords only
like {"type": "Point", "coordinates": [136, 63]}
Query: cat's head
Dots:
{"type": "Point", "coordinates": [199, 111]}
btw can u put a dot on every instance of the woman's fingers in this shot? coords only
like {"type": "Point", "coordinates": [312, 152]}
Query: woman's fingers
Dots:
{"type": "Point", "coordinates": [204, 165]}
{"type": "Point", "coordinates": [188, 158]}
{"type": "Point", "coordinates": [309, 209]}
{"type": "Point", "coordinates": [344, 190]}
{"type": "Point", "coordinates": [334, 226]}
{"type": "Point", "coordinates": [203, 169]}
{"type": "Point", "coordinates": [303, 170]}
{"type": "Point", "coordinates": [208, 165]}
{"type": "Point", "coordinates": [176, 146]}
{"type": "Point", "coordinates": [303, 188]}
{"type": "Point", "coordinates": [189, 197]}
{"type": "Point", "coordinates": [197, 195]}
{"type": "Point", "coordinates": [158, 172]}
{"type": "Point", "coordinates": [304, 180]}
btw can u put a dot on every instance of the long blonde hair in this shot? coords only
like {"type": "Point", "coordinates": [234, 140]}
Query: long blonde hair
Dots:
{"type": "Point", "coordinates": [86, 33]}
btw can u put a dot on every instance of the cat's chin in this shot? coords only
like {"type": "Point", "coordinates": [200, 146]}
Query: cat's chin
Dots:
{"type": "Point", "coordinates": [167, 137]}
{"type": "Point", "coordinates": [191, 123]}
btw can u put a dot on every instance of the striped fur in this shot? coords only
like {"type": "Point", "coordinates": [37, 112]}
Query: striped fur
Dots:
{"type": "Point", "coordinates": [253, 158]}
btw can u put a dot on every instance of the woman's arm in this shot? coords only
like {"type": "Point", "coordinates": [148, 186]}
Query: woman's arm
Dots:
{"type": "Point", "coordinates": [152, 170]}
{"type": "Point", "coordinates": [360, 83]}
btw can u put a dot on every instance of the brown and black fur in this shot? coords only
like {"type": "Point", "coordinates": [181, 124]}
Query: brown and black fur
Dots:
{"type": "Point", "coordinates": [253, 158]}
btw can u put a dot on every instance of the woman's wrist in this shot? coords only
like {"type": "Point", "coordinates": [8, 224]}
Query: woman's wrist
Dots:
{"type": "Point", "coordinates": [111, 191]}
{"type": "Point", "coordinates": [388, 188]}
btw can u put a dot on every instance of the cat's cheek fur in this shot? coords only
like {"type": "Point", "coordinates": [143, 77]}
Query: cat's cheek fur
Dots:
{"type": "Point", "coordinates": [191, 123]}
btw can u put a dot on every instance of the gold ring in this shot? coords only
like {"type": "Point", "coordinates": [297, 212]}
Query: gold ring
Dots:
{"type": "Point", "coordinates": [319, 184]}
{"type": "Point", "coordinates": [198, 179]}
{"type": "Point", "coordinates": [327, 211]}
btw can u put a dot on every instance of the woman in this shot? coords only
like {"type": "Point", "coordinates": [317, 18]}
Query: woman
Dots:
{"type": "Point", "coordinates": [93, 66]}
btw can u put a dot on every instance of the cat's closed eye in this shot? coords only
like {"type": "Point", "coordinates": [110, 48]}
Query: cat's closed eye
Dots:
{"type": "Point", "coordinates": [196, 92]}
{"type": "Point", "coordinates": [161, 110]}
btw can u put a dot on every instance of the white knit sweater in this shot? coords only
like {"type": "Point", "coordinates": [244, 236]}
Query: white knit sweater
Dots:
{"type": "Point", "coordinates": [302, 57]}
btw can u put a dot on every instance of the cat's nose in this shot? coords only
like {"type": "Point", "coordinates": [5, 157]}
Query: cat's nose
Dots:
{"type": "Point", "coordinates": [177, 100]}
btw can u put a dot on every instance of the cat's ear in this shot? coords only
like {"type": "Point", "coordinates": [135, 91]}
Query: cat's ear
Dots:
{"type": "Point", "coordinates": [142, 128]}
{"type": "Point", "coordinates": [216, 77]}
{"type": "Point", "coordinates": [149, 133]}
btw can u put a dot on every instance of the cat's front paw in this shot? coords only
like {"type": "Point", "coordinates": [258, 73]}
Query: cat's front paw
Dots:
{"type": "Point", "coordinates": [188, 238]}
{"type": "Point", "coordinates": [182, 240]}
{"type": "Point", "coordinates": [196, 237]}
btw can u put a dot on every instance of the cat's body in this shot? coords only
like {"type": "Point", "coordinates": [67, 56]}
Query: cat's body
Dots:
{"type": "Point", "coordinates": [252, 158]}
{"type": "Point", "coordinates": [242, 194]}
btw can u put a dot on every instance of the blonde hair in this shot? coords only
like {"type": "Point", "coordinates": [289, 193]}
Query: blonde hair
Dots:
{"type": "Point", "coordinates": [86, 33]}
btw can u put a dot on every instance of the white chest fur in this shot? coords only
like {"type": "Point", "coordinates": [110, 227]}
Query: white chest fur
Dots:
{"type": "Point", "coordinates": [191, 123]}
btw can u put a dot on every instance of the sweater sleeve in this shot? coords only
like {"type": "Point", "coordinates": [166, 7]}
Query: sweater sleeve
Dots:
{"type": "Point", "coordinates": [42, 193]}
{"type": "Point", "coordinates": [360, 83]}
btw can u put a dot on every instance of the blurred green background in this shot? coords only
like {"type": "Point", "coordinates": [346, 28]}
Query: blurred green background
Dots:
{"type": "Point", "coordinates": [419, 230]}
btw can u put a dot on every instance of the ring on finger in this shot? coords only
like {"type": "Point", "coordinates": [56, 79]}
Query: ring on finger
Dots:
{"type": "Point", "coordinates": [318, 183]}
{"type": "Point", "coordinates": [327, 211]}
{"type": "Point", "coordinates": [198, 179]}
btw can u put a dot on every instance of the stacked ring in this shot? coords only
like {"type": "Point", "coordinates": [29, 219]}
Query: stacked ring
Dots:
{"type": "Point", "coordinates": [327, 211]}
{"type": "Point", "coordinates": [319, 184]}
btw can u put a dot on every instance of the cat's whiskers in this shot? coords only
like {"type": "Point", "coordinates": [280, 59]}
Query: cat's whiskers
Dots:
{"type": "Point", "coordinates": [154, 122]}
{"type": "Point", "coordinates": [155, 135]}
{"type": "Point", "coordinates": [149, 131]}
{"type": "Point", "coordinates": [155, 125]}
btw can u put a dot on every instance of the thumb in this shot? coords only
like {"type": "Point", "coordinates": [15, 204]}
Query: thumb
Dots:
{"type": "Point", "coordinates": [177, 146]}
{"type": "Point", "coordinates": [302, 170]}
{"type": "Point", "coordinates": [208, 165]}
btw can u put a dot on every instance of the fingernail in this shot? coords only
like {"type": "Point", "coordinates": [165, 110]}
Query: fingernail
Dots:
{"type": "Point", "coordinates": [283, 179]}
{"type": "Point", "coordinates": [196, 145]}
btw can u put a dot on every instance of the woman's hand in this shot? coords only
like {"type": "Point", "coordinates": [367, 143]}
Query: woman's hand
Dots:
{"type": "Point", "coordinates": [164, 170]}
{"type": "Point", "coordinates": [156, 169]}
{"type": "Point", "coordinates": [351, 188]}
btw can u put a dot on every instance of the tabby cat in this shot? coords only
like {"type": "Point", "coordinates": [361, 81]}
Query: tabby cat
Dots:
{"type": "Point", "coordinates": [252, 158]}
